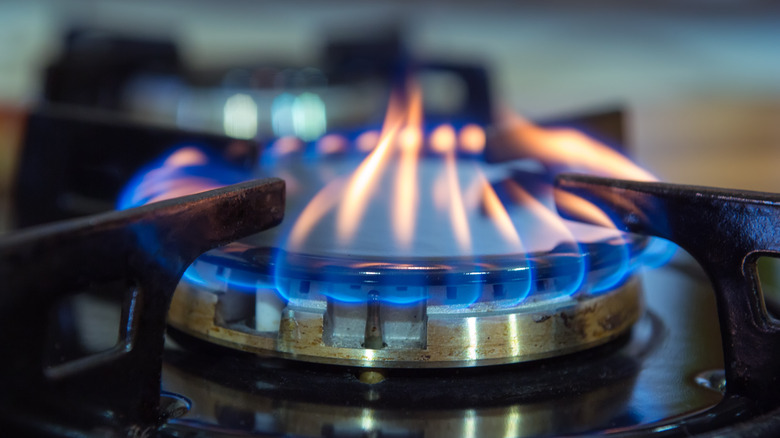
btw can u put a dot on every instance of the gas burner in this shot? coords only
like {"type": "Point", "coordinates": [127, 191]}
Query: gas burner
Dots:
{"type": "Point", "coordinates": [380, 312]}
{"type": "Point", "coordinates": [411, 252]}
{"type": "Point", "coordinates": [513, 282]}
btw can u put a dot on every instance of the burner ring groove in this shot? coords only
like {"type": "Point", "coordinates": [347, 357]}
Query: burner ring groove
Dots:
{"type": "Point", "coordinates": [471, 337]}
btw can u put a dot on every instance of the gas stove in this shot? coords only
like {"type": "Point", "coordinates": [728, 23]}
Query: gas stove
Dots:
{"type": "Point", "coordinates": [247, 309]}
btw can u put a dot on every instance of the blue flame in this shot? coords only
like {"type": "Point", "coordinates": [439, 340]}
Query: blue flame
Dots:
{"type": "Point", "coordinates": [568, 268]}
{"type": "Point", "coordinates": [613, 260]}
{"type": "Point", "coordinates": [156, 179]}
{"type": "Point", "coordinates": [658, 253]}
{"type": "Point", "coordinates": [513, 292]}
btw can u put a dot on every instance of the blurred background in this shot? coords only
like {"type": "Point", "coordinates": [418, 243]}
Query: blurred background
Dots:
{"type": "Point", "coordinates": [698, 82]}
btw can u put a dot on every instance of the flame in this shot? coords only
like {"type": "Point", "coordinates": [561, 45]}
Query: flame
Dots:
{"type": "Point", "coordinates": [495, 209]}
{"type": "Point", "coordinates": [183, 187]}
{"type": "Point", "coordinates": [397, 156]}
{"type": "Point", "coordinates": [447, 196]}
{"type": "Point", "coordinates": [548, 227]}
{"type": "Point", "coordinates": [398, 152]}
{"type": "Point", "coordinates": [412, 195]}
{"type": "Point", "coordinates": [443, 139]}
{"type": "Point", "coordinates": [174, 176]}
{"type": "Point", "coordinates": [285, 146]}
{"type": "Point", "coordinates": [472, 139]}
{"type": "Point", "coordinates": [406, 192]}
{"type": "Point", "coordinates": [367, 141]}
{"type": "Point", "coordinates": [400, 145]}
{"type": "Point", "coordinates": [457, 208]}
{"type": "Point", "coordinates": [314, 212]}
{"type": "Point", "coordinates": [364, 180]}
{"type": "Point", "coordinates": [439, 192]}
{"type": "Point", "coordinates": [586, 210]}
{"type": "Point", "coordinates": [563, 148]}
{"type": "Point", "coordinates": [331, 144]}
{"type": "Point", "coordinates": [186, 156]}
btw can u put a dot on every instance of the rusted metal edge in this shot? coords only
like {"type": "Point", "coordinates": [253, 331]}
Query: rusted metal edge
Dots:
{"type": "Point", "coordinates": [726, 231]}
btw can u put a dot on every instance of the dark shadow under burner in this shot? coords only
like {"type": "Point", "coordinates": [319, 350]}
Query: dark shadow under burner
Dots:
{"type": "Point", "coordinates": [570, 394]}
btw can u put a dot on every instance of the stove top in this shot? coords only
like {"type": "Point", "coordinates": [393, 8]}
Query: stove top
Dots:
{"type": "Point", "coordinates": [664, 376]}
{"type": "Point", "coordinates": [298, 339]}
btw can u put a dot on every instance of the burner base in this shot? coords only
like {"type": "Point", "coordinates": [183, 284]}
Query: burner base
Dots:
{"type": "Point", "coordinates": [409, 336]}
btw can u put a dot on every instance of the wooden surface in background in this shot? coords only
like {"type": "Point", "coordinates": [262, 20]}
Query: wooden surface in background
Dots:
{"type": "Point", "coordinates": [11, 124]}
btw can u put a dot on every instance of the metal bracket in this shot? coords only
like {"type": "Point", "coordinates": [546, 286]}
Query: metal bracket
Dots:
{"type": "Point", "coordinates": [726, 231]}
{"type": "Point", "coordinates": [148, 247]}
